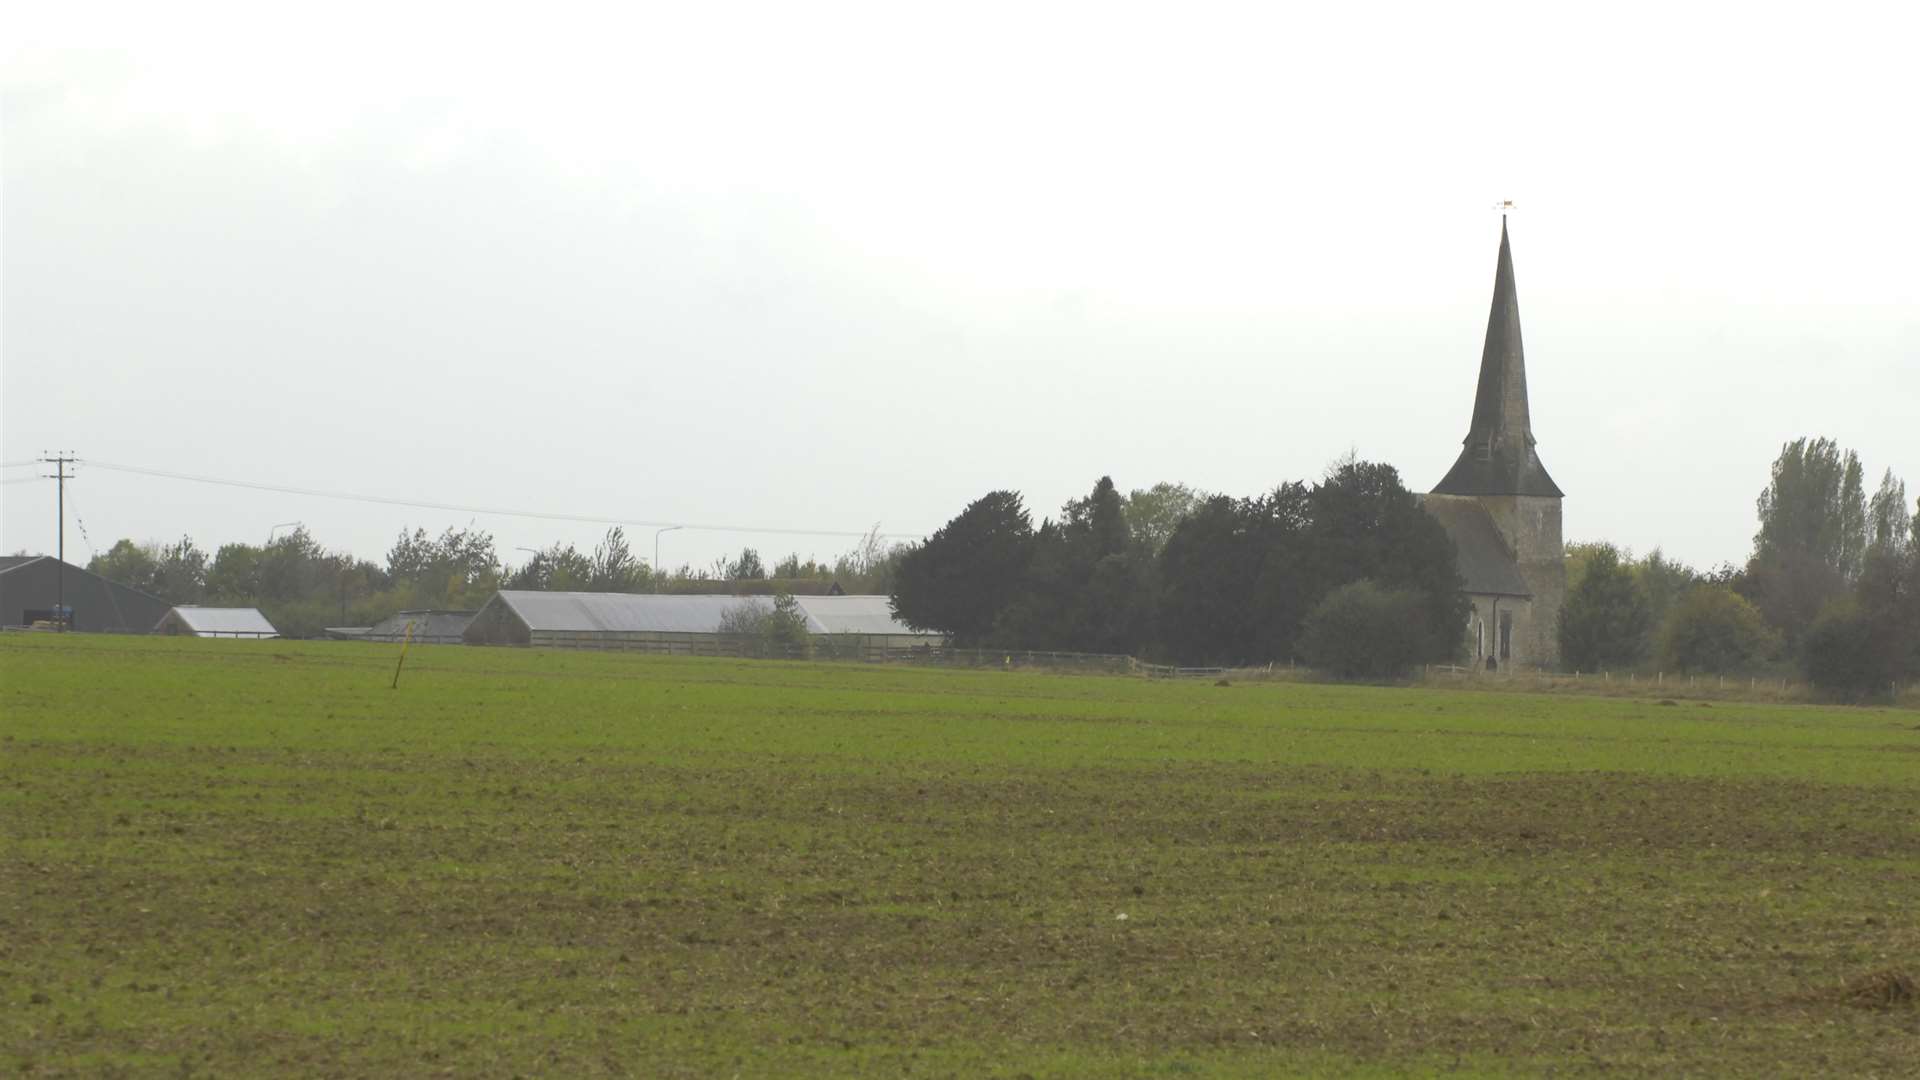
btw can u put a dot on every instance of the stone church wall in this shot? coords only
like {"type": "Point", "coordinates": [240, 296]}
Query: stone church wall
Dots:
{"type": "Point", "coordinates": [1483, 631]}
{"type": "Point", "coordinates": [1531, 526]}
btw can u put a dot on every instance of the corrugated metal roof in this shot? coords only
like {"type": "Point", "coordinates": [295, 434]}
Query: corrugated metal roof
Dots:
{"type": "Point", "coordinates": [622, 612]}
{"type": "Point", "coordinates": [852, 615]}
{"type": "Point", "coordinates": [435, 625]}
{"type": "Point", "coordinates": [223, 620]}
{"type": "Point", "coordinates": [583, 612]}
{"type": "Point", "coordinates": [1486, 563]}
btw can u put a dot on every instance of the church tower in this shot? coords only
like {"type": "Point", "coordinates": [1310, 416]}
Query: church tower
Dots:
{"type": "Point", "coordinates": [1516, 570]}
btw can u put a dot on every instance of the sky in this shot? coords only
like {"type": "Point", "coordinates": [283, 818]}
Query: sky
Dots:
{"type": "Point", "coordinates": [821, 267]}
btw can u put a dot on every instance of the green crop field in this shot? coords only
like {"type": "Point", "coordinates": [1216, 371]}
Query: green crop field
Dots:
{"type": "Point", "coordinates": [240, 858]}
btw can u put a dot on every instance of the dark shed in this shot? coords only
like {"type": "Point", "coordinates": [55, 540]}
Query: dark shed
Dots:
{"type": "Point", "coordinates": [31, 588]}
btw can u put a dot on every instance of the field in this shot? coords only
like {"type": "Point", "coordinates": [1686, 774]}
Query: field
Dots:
{"type": "Point", "coordinates": [248, 858]}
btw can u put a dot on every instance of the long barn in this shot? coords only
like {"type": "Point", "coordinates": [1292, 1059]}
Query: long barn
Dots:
{"type": "Point", "coordinates": [686, 625]}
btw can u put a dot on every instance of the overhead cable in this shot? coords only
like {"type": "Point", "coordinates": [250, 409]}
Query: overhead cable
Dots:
{"type": "Point", "coordinates": [420, 504]}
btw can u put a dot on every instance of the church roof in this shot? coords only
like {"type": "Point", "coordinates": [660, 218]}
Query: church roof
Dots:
{"type": "Point", "coordinates": [1487, 565]}
{"type": "Point", "coordinates": [1497, 457]}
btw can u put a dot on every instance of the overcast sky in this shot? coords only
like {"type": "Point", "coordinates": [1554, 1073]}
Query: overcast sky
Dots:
{"type": "Point", "coordinates": [817, 267]}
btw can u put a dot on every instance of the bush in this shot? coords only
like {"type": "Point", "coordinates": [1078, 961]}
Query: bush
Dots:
{"type": "Point", "coordinates": [1714, 629]}
{"type": "Point", "coordinates": [1605, 620]}
{"type": "Point", "coordinates": [1362, 631]}
{"type": "Point", "coordinates": [1844, 654]}
{"type": "Point", "coordinates": [758, 629]}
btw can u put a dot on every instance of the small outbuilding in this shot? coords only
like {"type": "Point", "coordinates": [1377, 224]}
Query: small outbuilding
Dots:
{"type": "Point", "coordinates": [35, 588]}
{"type": "Point", "coordinates": [189, 620]}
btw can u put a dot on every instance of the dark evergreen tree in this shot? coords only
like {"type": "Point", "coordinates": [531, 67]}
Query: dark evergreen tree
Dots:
{"type": "Point", "coordinates": [1086, 588]}
{"type": "Point", "coordinates": [1206, 610]}
{"type": "Point", "coordinates": [965, 574]}
{"type": "Point", "coordinates": [1367, 525]}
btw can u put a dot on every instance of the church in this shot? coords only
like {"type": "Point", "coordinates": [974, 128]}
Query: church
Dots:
{"type": "Point", "coordinates": [1501, 508]}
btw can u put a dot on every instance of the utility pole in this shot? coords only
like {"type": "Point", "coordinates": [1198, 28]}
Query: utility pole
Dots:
{"type": "Point", "coordinates": [60, 460]}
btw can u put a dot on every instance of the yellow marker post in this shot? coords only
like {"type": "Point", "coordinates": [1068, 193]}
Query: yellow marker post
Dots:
{"type": "Point", "coordinates": [404, 642]}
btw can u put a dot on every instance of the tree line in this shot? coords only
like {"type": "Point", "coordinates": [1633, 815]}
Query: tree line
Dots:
{"type": "Point", "coordinates": [1831, 588]}
{"type": "Point", "coordinates": [303, 587]}
{"type": "Point", "coordinates": [1348, 573]}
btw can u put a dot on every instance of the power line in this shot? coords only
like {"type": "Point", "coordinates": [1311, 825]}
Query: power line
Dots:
{"type": "Point", "coordinates": [82, 522]}
{"type": "Point", "coordinates": [18, 464]}
{"type": "Point", "coordinates": [21, 479]}
{"type": "Point", "coordinates": [418, 504]}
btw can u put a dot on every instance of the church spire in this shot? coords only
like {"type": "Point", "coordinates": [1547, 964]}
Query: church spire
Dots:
{"type": "Point", "coordinates": [1498, 457]}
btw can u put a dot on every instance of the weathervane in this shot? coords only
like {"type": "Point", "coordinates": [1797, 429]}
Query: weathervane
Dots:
{"type": "Point", "coordinates": [1505, 206]}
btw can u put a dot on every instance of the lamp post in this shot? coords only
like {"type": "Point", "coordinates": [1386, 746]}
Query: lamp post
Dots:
{"type": "Point", "coordinates": [277, 528]}
{"type": "Point", "coordinates": [656, 553]}
{"type": "Point", "coordinates": [532, 561]}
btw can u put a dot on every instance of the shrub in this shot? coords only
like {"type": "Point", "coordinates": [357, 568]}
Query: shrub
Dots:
{"type": "Point", "coordinates": [1845, 655]}
{"type": "Point", "coordinates": [1362, 631]}
{"type": "Point", "coordinates": [756, 628]}
{"type": "Point", "coordinates": [1714, 629]}
{"type": "Point", "coordinates": [1605, 620]}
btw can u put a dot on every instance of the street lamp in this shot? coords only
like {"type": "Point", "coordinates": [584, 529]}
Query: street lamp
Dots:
{"type": "Point", "coordinates": [277, 528]}
{"type": "Point", "coordinates": [656, 553]}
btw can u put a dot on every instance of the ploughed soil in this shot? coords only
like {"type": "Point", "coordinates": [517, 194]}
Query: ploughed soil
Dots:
{"type": "Point", "coordinates": [457, 906]}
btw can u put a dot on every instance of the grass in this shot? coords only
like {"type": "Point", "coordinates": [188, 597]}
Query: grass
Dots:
{"type": "Point", "coordinates": [244, 858]}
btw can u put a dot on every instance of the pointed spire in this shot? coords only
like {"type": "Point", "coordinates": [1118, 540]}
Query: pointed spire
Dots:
{"type": "Point", "coordinates": [1498, 457]}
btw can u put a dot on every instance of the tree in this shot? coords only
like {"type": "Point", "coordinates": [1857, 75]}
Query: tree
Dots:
{"type": "Point", "coordinates": [787, 626]}
{"type": "Point", "coordinates": [1154, 513]}
{"type": "Point", "coordinates": [1205, 610]}
{"type": "Point", "coordinates": [1605, 619]}
{"type": "Point", "coordinates": [1085, 588]}
{"type": "Point", "coordinates": [959, 579]}
{"type": "Point", "coordinates": [1890, 529]}
{"type": "Point", "coordinates": [130, 564]}
{"type": "Point", "coordinates": [747, 567]}
{"type": "Point", "coordinates": [445, 571]}
{"type": "Point", "coordinates": [1366, 524]}
{"type": "Point", "coordinates": [1362, 631]}
{"type": "Point", "coordinates": [1238, 578]}
{"type": "Point", "coordinates": [558, 568]}
{"type": "Point", "coordinates": [235, 573]}
{"type": "Point", "coordinates": [1579, 552]}
{"type": "Point", "coordinates": [1663, 582]}
{"type": "Point", "coordinates": [1714, 629]}
{"type": "Point", "coordinates": [614, 568]}
{"type": "Point", "coordinates": [1813, 534]}
{"type": "Point", "coordinates": [176, 573]}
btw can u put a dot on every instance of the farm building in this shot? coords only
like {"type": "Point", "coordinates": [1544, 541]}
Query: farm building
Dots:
{"type": "Point", "coordinates": [33, 586]}
{"type": "Point", "coordinates": [188, 620]}
{"type": "Point", "coordinates": [430, 627]}
{"type": "Point", "coordinates": [852, 625]}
